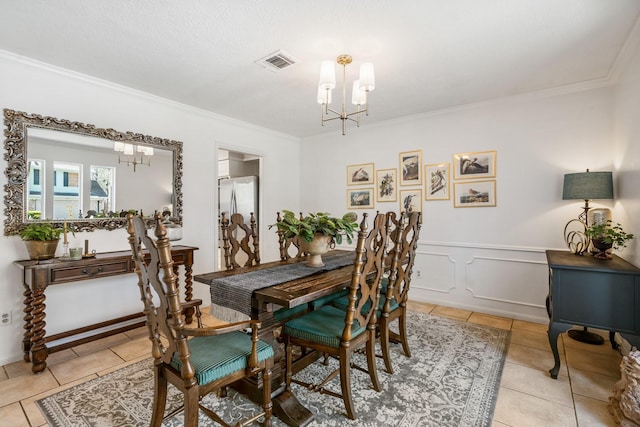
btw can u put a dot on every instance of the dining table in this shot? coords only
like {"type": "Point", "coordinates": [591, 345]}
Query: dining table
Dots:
{"type": "Point", "coordinates": [287, 287]}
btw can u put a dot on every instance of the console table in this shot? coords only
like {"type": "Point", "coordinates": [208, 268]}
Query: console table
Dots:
{"type": "Point", "coordinates": [38, 275]}
{"type": "Point", "coordinates": [586, 291]}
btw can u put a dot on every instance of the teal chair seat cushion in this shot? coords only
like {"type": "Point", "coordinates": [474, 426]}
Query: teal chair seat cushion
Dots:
{"type": "Point", "coordinates": [286, 313]}
{"type": "Point", "coordinates": [316, 304]}
{"type": "Point", "coordinates": [324, 326]}
{"type": "Point", "coordinates": [218, 356]}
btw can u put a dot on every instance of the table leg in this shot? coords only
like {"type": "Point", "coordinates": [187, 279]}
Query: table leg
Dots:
{"type": "Point", "coordinates": [39, 350]}
{"type": "Point", "coordinates": [555, 329]}
{"type": "Point", "coordinates": [188, 290]}
{"type": "Point", "coordinates": [614, 344]}
{"type": "Point", "coordinates": [28, 323]}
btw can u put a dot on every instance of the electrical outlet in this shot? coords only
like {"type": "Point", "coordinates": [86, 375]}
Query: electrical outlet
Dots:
{"type": "Point", "coordinates": [417, 273]}
{"type": "Point", "coordinates": [5, 318]}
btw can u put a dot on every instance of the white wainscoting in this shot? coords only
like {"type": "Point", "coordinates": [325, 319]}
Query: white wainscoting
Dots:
{"type": "Point", "coordinates": [507, 281]}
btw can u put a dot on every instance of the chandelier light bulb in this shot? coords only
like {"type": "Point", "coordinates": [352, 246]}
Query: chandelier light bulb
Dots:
{"type": "Point", "coordinates": [367, 77]}
{"type": "Point", "coordinates": [358, 96]}
{"type": "Point", "coordinates": [327, 75]}
{"type": "Point", "coordinates": [324, 96]}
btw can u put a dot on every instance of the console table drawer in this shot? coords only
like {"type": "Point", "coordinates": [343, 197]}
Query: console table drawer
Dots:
{"type": "Point", "coordinates": [69, 274]}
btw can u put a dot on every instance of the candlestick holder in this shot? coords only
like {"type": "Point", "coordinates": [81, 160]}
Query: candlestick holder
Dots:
{"type": "Point", "coordinates": [65, 250]}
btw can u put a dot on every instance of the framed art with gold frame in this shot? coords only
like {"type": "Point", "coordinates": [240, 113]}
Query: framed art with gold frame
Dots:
{"type": "Point", "coordinates": [411, 168]}
{"type": "Point", "coordinates": [359, 198]}
{"type": "Point", "coordinates": [386, 185]}
{"type": "Point", "coordinates": [411, 200]}
{"type": "Point", "coordinates": [360, 174]}
{"type": "Point", "coordinates": [480, 164]}
{"type": "Point", "coordinates": [473, 194]}
{"type": "Point", "coordinates": [436, 182]}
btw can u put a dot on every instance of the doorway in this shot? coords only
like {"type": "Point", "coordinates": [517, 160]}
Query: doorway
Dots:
{"type": "Point", "coordinates": [238, 190]}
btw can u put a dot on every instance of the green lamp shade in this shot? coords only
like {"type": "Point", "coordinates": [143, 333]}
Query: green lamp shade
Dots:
{"type": "Point", "coordinates": [588, 186]}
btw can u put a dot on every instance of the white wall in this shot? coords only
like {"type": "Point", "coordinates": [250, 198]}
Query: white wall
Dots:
{"type": "Point", "coordinates": [488, 259]}
{"type": "Point", "coordinates": [35, 88]}
{"type": "Point", "coordinates": [627, 146]}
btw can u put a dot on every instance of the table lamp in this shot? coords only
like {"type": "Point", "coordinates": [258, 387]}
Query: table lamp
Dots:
{"type": "Point", "coordinates": [584, 186]}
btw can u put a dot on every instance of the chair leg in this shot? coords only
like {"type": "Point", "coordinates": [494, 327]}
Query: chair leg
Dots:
{"type": "Point", "coordinates": [191, 401]}
{"type": "Point", "coordinates": [345, 383]}
{"type": "Point", "coordinates": [288, 365]}
{"type": "Point", "coordinates": [267, 406]}
{"type": "Point", "coordinates": [384, 345]}
{"type": "Point", "coordinates": [402, 329]}
{"type": "Point", "coordinates": [371, 360]}
{"type": "Point", "coordinates": [159, 397]}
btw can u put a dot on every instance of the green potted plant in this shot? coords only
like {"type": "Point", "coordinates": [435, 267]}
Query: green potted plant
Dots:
{"type": "Point", "coordinates": [318, 232]}
{"type": "Point", "coordinates": [41, 240]}
{"type": "Point", "coordinates": [607, 235]}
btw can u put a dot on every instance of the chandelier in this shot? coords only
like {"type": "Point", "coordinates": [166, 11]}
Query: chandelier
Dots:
{"type": "Point", "coordinates": [359, 95]}
{"type": "Point", "coordinates": [133, 154]}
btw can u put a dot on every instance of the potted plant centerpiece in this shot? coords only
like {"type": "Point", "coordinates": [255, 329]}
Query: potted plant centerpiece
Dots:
{"type": "Point", "coordinates": [318, 232]}
{"type": "Point", "coordinates": [41, 239]}
{"type": "Point", "coordinates": [605, 236]}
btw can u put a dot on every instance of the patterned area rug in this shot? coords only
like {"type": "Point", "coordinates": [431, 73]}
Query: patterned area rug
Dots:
{"type": "Point", "coordinates": [451, 379]}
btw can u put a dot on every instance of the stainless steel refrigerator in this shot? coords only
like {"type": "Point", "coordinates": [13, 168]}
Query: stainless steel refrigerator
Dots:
{"type": "Point", "coordinates": [239, 195]}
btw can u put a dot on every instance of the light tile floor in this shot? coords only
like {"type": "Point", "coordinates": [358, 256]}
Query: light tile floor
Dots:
{"type": "Point", "coordinates": [527, 395]}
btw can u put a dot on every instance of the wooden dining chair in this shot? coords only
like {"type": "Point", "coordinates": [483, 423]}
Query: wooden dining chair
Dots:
{"type": "Point", "coordinates": [396, 294]}
{"type": "Point", "coordinates": [337, 332]}
{"type": "Point", "coordinates": [289, 244]}
{"type": "Point", "coordinates": [196, 361]}
{"type": "Point", "coordinates": [239, 240]}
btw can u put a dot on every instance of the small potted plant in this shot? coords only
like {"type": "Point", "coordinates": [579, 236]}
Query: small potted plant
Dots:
{"type": "Point", "coordinates": [607, 235]}
{"type": "Point", "coordinates": [41, 240]}
{"type": "Point", "coordinates": [318, 232]}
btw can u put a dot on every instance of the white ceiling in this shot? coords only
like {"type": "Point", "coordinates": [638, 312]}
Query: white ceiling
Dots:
{"type": "Point", "coordinates": [428, 54]}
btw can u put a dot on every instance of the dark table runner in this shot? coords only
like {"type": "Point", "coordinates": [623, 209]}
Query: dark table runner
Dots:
{"type": "Point", "coordinates": [235, 291]}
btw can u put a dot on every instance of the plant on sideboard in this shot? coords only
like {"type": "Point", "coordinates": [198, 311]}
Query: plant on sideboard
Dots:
{"type": "Point", "coordinates": [607, 235]}
{"type": "Point", "coordinates": [41, 239]}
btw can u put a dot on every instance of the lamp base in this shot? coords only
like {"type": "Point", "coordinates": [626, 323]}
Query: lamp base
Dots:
{"type": "Point", "coordinates": [586, 336]}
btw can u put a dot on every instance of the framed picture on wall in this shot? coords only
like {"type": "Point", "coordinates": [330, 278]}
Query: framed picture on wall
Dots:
{"type": "Point", "coordinates": [471, 194]}
{"type": "Point", "coordinates": [436, 182]}
{"type": "Point", "coordinates": [410, 168]}
{"type": "Point", "coordinates": [360, 174]}
{"type": "Point", "coordinates": [386, 185]}
{"type": "Point", "coordinates": [481, 164]}
{"type": "Point", "coordinates": [411, 200]}
{"type": "Point", "coordinates": [361, 198]}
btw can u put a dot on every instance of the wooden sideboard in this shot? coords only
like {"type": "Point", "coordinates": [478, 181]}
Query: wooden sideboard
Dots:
{"type": "Point", "coordinates": [586, 291]}
{"type": "Point", "coordinates": [38, 275]}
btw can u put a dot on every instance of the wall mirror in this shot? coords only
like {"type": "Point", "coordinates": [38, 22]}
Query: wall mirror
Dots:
{"type": "Point", "coordinates": [58, 171]}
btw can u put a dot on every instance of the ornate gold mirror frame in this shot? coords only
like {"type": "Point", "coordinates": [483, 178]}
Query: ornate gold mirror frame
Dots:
{"type": "Point", "coordinates": [17, 169]}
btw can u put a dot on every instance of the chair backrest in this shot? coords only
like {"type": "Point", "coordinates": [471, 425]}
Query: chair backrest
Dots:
{"type": "Point", "coordinates": [288, 244]}
{"type": "Point", "coordinates": [364, 290]}
{"type": "Point", "coordinates": [237, 236]}
{"type": "Point", "coordinates": [405, 244]}
{"type": "Point", "coordinates": [160, 294]}
{"type": "Point", "coordinates": [395, 225]}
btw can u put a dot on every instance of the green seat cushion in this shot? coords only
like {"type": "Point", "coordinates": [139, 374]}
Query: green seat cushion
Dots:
{"type": "Point", "coordinates": [343, 302]}
{"type": "Point", "coordinates": [316, 304]}
{"type": "Point", "coordinates": [218, 356]}
{"type": "Point", "coordinates": [323, 326]}
{"type": "Point", "coordinates": [286, 313]}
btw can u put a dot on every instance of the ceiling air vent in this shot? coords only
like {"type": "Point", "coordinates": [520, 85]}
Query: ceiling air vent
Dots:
{"type": "Point", "coordinates": [276, 61]}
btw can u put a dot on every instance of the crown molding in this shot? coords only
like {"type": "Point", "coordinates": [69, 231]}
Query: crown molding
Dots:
{"type": "Point", "coordinates": [140, 94]}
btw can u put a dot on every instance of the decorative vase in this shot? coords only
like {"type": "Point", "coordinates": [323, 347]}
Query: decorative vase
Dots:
{"type": "Point", "coordinates": [602, 248]}
{"type": "Point", "coordinates": [321, 244]}
{"type": "Point", "coordinates": [41, 249]}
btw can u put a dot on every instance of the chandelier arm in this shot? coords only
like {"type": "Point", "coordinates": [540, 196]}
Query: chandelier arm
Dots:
{"type": "Point", "coordinates": [330, 119]}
